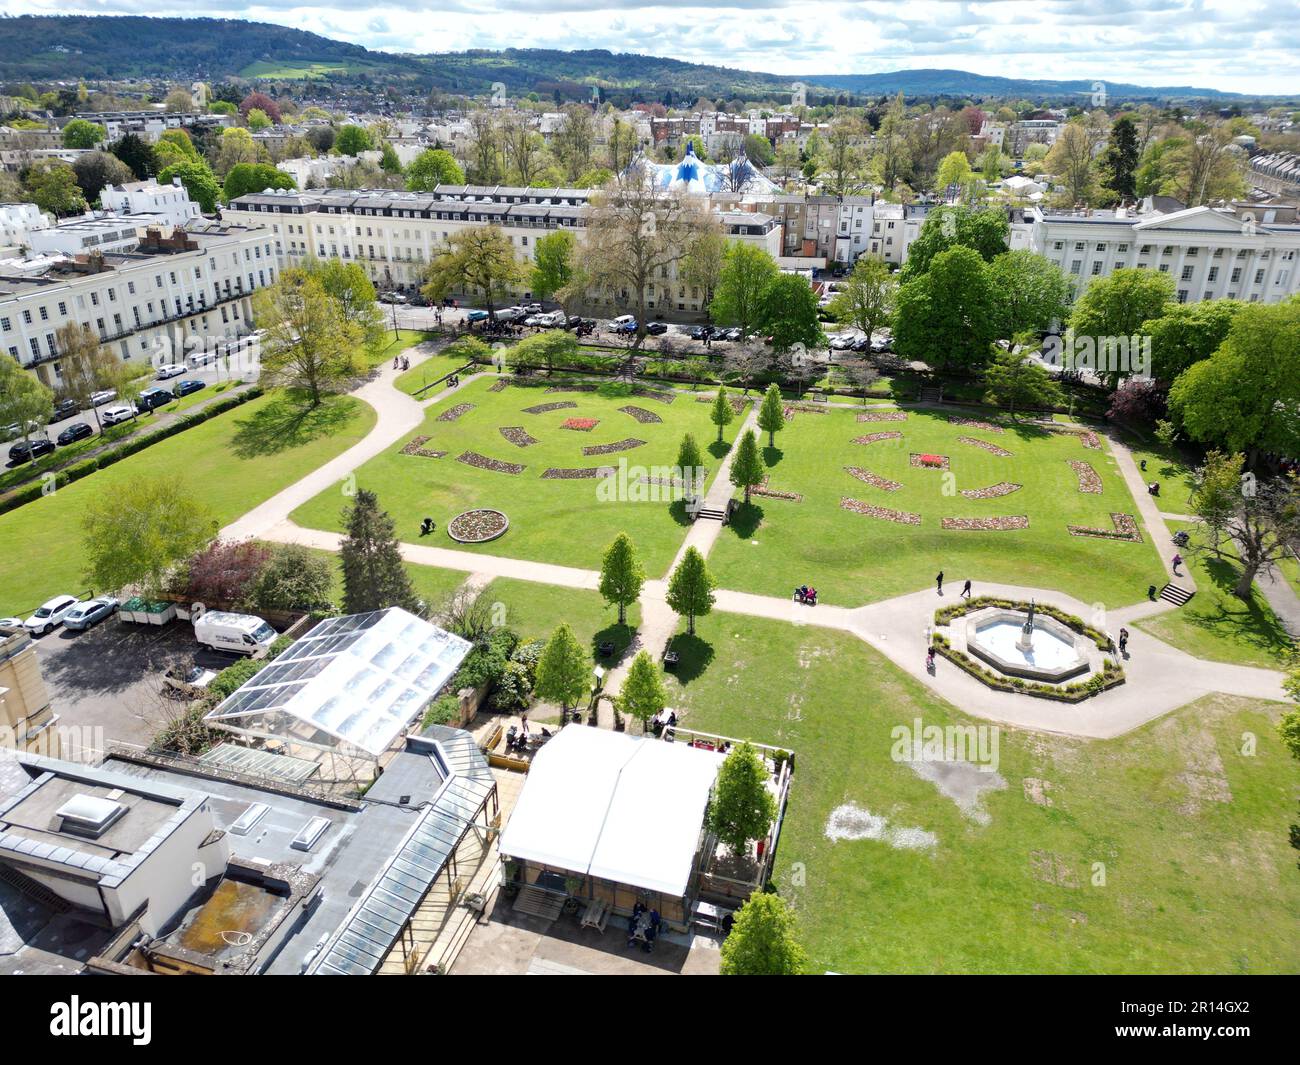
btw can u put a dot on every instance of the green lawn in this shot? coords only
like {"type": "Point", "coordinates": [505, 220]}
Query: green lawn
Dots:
{"type": "Point", "coordinates": [432, 584]}
{"type": "Point", "coordinates": [396, 344]}
{"type": "Point", "coordinates": [231, 463]}
{"type": "Point", "coordinates": [1191, 835]}
{"type": "Point", "coordinates": [427, 372]}
{"type": "Point", "coordinates": [534, 610]}
{"type": "Point", "coordinates": [1217, 625]}
{"type": "Point", "coordinates": [776, 544]}
{"type": "Point", "coordinates": [1175, 474]}
{"type": "Point", "coordinates": [568, 522]}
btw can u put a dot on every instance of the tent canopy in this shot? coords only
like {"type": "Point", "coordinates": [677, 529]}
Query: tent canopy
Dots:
{"type": "Point", "coordinates": [614, 806]}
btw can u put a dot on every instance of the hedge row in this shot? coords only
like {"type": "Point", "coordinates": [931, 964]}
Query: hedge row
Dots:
{"type": "Point", "coordinates": [132, 444]}
{"type": "Point", "coordinates": [948, 613]}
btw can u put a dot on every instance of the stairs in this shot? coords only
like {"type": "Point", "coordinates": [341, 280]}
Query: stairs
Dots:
{"type": "Point", "coordinates": [1172, 593]}
{"type": "Point", "coordinates": [538, 903]}
{"type": "Point", "coordinates": [931, 394]}
{"type": "Point", "coordinates": [711, 514]}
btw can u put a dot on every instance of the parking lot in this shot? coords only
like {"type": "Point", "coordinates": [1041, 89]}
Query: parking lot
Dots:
{"type": "Point", "coordinates": [108, 679]}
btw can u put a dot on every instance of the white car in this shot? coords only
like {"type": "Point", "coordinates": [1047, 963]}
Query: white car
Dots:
{"type": "Point", "coordinates": [843, 341]}
{"type": "Point", "coordinates": [99, 398]}
{"type": "Point", "coordinates": [174, 369]}
{"type": "Point", "coordinates": [116, 414]}
{"type": "Point", "coordinates": [50, 615]}
{"type": "Point", "coordinates": [190, 681]}
{"type": "Point", "coordinates": [11, 624]}
{"type": "Point", "coordinates": [555, 318]}
{"type": "Point", "coordinates": [535, 320]}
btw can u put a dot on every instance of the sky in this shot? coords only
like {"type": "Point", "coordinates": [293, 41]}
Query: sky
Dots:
{"type": "Point", "coordinates": [1249, 46]}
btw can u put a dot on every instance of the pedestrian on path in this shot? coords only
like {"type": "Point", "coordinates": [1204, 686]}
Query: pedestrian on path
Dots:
{"type": "Point", "coordinates": [1178, 561]}
{"type": "Point", "coordinates": [1123, 642]}
{"type": "Point", "coordinates": [929, 660]}
{"type": "Point", "coordinates": [965, 590]}
{"type": "Point", "coordinates": [938, 582]}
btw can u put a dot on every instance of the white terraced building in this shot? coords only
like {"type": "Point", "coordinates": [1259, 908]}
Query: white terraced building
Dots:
{"type": "Point", "coordinates": [168, 294]}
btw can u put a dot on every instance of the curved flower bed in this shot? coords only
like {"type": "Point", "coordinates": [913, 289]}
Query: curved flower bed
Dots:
{"type": "Point", "coordinates": [739, 404]}
{"type": "Point", "coordinates": [883, 416]}
{"type": "Point", "coordinates": [416, 447]}
{"type": "Point", "coordinates": [1126, 528]}
{"type": "Point", "coordinates": [517, 435]}
{"type": "Point", "coordinates": [580, 425]}
{"type": "Point", "coordinates": [661, 394]}
{"type": "Point", "coordinates": [992, 449]}
{"type": "Point", "coordinates": [500, 385]}
{"type": "Point", "coordinates": [453, 413]}
{"type": "Point", "coordinates": [975, 423]}
{"type": "Point", "coordinates": [482, 462]}
{"type": "Point", "coordinates": [867, 510]}
{"type": "Point", "coordinates": [617, 445]}
{"type": "Point", "coordinates": [928, 462]}
{"type": "Point", "coordinates": [873, 479]}
{"type": "Point", "coordinates": [872, 438]}
{"type": "Point", "coordinates": [578, 473]}
{"type": "Point", "coordinates": [546, 408]}
{"type": "Point", "coordinates": [477, 526]}
{"type": "Point", "coordinates": [1089, 481]}
{"type": "Point", "coordinates": [645, 417]}
{"type": "Point", "coordinates": [1007, 523]}
{"type": "Point", "coordinates": [1002, 488]}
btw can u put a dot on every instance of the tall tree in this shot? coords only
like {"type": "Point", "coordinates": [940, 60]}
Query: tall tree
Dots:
{"type": "Point", "coordinates": [479, 260]}
{"type": "Point", "coordinates": [771, 414]}
{"type": "Point", "coordinates": [690, 588]}
{"type": "Point", "coordinates": [53, 187]}
{"type": "Point", "coordinates": [353, 292]}
{"type": "Point", "coordinates": [747, 271]}
{"type": "Point", "coordinates": [866, 299]}
{"type": "Point", "coordinates": [24, 401]}
{"type": "Point", "coordinates": [721, 415]}
{"type": "Point", "coordinates": [762, 940]}
{"type": "Point", "coordinates": [352, 139]}
{"type": "Point", "coordinates": [1116, 306]}
{"type": "Point", "coordinates": [1214, 499]}
{"type": "Point", "coordinates": [741, 808]}
{"type": "Point", "coordinates": [308, 343]}
{"type": "Point", "coordinates": [1187, 333]}
{"type": "Point", "coordinates": [747, 469]}
{"type": "Point", "coordinates": [564, 670]}
{"type": "Point", "coordinates": [95, 170]}
{"type": "Point", "coordinates": [1030, 293]}
{"type": "Point", "coordinates": [702, 266]}
{"type": "Point", "coordinates": [136, 154]}
{"type": "Point", "coordinates": [82, 134]}
{"type": "Point", "coordinates": [244, 178]}
{"type": "Point", "coordinates": [374, 575]}
{"type": "Point", "coordinates": [1072, 161]}
{"type": "Point", "coordinates": [85, 367]}
{"type": "Point", "coordinates": [199, 181]}
{"type": "Point", "coordinates": [642, 695]}
{"type": "Point", "coordinates": [431, 168]}
{"type": "Point", "coordinates": [553, 258]}
{"type": "Point", "coordinates": [1014, 380]}
{"type": "Point", "coordinates": [946, 316]}
{"type": "Point", "coordinates": [986, 231]}
{"type": "Point", "coordinates": [788, 314]}
{"type": "Point", "coordinates": [1120, 160]}
{"type": "Point", "coordinates": [621, 575]}
{"type": "Point", "coordinates": [574, 140]}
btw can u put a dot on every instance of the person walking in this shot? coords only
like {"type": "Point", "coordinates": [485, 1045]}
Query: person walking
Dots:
{"type": "Point", "coordinates": [965, 590]}
{"type": "Point", "coordinates": [1178, 561]}
{"type": "Point", "coordinates": [1123, 642]}
{"type": "Point", "coordinates": [929, 659]}
{"type": "Point", "coordinates": [938, 582]}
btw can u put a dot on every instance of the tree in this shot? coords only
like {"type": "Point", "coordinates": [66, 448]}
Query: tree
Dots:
{"type": "Point", "coordinates": [308, 343]}
{"type": "Point", "coordinates": [1071, 161]}
{"type": "Point", "coordinates": [1203, 166]}
{"type": "Point", "coordinates": [174, 146]}
{"type": "Point", "coordinates": [551, 348]}
{"type": "Point", "coordinates": [986, 231]}
{"type": "Point", "coordinates": [1116, 306]}
{"type": "Point", "coordinates": [199, 181]}
{"type": "Point", "coordinates": [954, 172]}
{"type": "Point", "coordinates": [244, 178]}
{"type": "Point", "coordinates": [431, 168]}
{"type": "Point", "coordinates": [1030, 293]}
{"type": "Point", "coordinates": [259, 101]}
{"type": "Point", "coordinates": [843, 162]}
{"type": "Point", "coordinates": [891, 151]}
{"type": "Point", "coordinates": [747, 469]}
{"type": "Point", "coordinates": [1214, 499]}
{"type": "Point", "coordinates": [225, 571]}
{"type": "Point", "coordinates": [1014, 380]}
{"type": "Point", "coordinates": [552, 263]}
{"type": "Point", "coordinates": [84, 366]}
{"type": "Point", "coordinates": [178, 100]}
{"type": "Point", "coordinates": [234, 146]}
{"type": "Point", "coordinates": [759, 150]}
{"type": "Point", "coordinates": [24, 401]}
{"type": "Point", "coordinates": [374, 575]}
{"type": "Point", "coordinates": [762, 940]}
{"type": "Point", "coordinates": [258, 119]}
{"type": "Point", "coordinates": [866, 300]}
{"type": "Point", "coordinates": [352, 140]}
{"type": "Point", "coordinates": [1138, 401]}
{"type": "Point", "coordinates": [689, 458]}
{"type": "Point", "coordinates": [295, 578]}
{"type": "Point", "coordinates": [643, 694]}
{"type": "Point", "coordinates": [1120, 160]}
{"type": "Point", "coordinates": [621, 575]}
{"type": "Point", "coordinates": [1245, 396]}
{"type": "Point", "coordinates": [135, 534]}
{"type": "Point", "coordinates": [136, 154]}
{"type": "Point", "coordinates": [53, 187]}
{"type": "Point", "coordinates": [95, 170]}
{"type": "Point", "coordinates": [347, 284]}
{"type": "Point", "coordinates": [690, 588]}
{"type": "Point", "coordinates": [702, 266]}
{"type": "Point", "coordinates": [788, 314]}
{"type": "Point", "coordinates": [771, 415]}
{"type": "Point", "coordinates": [1265, 520]}
{"type": "Point", "coordinates": [478, 260]}
{"type": "Point", "coordinates": [741, 807]}
{"type": "Point", "coordinates": [563, 671]}
{"type": "Point", "coordinates": [747, 271]}
{"type": "Point", "coordinates": [1187, 333]}
{"type": "Point", "coordinates": [82, 134]}
{"type": "Point", "coordinates": [572, 142]}
{"type": "Point", "coordinates": [721, 415]}
{"type": "Point", "coordinates": [945, 317]}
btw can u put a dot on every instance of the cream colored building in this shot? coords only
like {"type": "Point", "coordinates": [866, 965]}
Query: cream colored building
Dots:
{"type": "Point", "coordinates": [26, 718]}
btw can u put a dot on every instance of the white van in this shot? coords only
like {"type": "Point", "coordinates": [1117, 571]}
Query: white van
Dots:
{"type": "Point", "coordinates": [241, 634]}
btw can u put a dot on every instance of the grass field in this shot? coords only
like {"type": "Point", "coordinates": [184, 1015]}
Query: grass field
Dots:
{"type": "Point", "coordinates": [1174, 472]}
{"type": "Point", "coordinates": [283, 70]}
{"type": "Point", "coordinates": [427, 372]}
{"type": "Point", "coordinates": [534, 610]}
{"type": "Point", "coordinates": [231, 463]}
{"type": "Point", "coordinates": [395, 345]}
{"type": "Point", "coordinates": [1217, 625]}
{"type": "Point", "coordinates": [776, 544]}
{"type": "Point", "coordinates": [1162, 851]}
{"type": "Point", "coordinates": [561, 521]}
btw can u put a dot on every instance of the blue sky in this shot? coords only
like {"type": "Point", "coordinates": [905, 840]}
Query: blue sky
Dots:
{"type": "Point", "coordinates": [1233, 45]}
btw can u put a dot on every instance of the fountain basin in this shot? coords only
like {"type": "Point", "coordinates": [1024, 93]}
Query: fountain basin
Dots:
{"type": "Point", "coordinates": [1056, 652]}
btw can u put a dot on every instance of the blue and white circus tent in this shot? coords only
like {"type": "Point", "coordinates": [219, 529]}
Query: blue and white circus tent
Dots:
{"type": "Point", "coordinates": [694, 176]}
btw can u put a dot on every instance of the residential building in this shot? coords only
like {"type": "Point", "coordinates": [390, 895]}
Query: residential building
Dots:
{"type": "Point", "coordinates": [18, 221]}
{"type": "Point", "coordinates": [169, 205]}
{"type": "Point", "coordinates": [26, 718]}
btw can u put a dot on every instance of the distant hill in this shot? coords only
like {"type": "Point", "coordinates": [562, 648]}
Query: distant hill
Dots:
{"type": "Point", "coordinates": [66, 47]}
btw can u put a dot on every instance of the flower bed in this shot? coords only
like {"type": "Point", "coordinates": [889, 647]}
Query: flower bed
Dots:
{"type": "Point", "coordinates": [517, 435]}
{"type": "Point", "coordinates": [453, 413]}
{"type": "Point", "coordinates": [875, 480]}
{"type": "Point", "coordinates": [992, 449]}
{"type": "Point", "coordinates": [1086, 436]}
{"type": "Point", "coordinates": [580, 425]}
{"type": "Point", "coordinates": [645, 417]}
{"type": "Point", "coordinates": [477, 526]}
{"type": "Point", "coordinates": [662, 395]}
{"type": "Point", "coordinates": [975, 423]}
{"type": "Point", "coordinates": [1126, 528]}
{"type": "Point", "coordinates": [572, 388]}
{"type": "Point", "coordinates": [482, 462]}
{"type": "Point", "coordinates": [1088, 480]}
{"type": "Point", "coordinates": [577, 474]}
{"type": "Point", "coordinates": [946, 614]}
{"type": "Point", "coordinates": [739, 404]}
{"type": "Point", "coordinates": [872, 438]}
{"type": "Point", "coordinates": [617, 445]}
{"type": "Point", "coordinates": [902, 517]}
{"type": "Point", "coordinates": [1110, 676]}
{"type": "Point", "coordinates": [928, 462]}
{"type": "Point", "coordinates": [883, 416]}
{"type": "Point", "coordinates": [416, 447]}
{"type": "Point", "coordinates": [1007, 523]}
{"type": "Point", "coordinates": [1002, 488]}
{"type": "Point", "coordinates": [546, 408]}
{"type": "Point", "coordinates": [790, 408]}
{"type": "Point", "coordinates": [500, 385]}
{"type": "Point", "coordinates": [771, 493]}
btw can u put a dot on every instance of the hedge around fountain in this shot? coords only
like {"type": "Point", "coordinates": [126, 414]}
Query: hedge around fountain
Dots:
{"type": "Point", "coordinates": [957, 610]}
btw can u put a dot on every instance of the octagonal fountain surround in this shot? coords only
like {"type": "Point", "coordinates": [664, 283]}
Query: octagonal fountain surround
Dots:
{"type": "Point", "coordinates": [1046, 650]}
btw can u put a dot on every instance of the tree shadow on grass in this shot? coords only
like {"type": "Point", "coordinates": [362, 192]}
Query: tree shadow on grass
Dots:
{"type": "Point", "coordinates": [693, 656]}
{"type": "Point", "coordinates": [719, 448]}
{"type": "Point", "coordinates": [746, 519]}
{"type": "Point", "coordinates": [288, 422]}
{"type": "Point", "coordinates": [772, 455]}
{"type": "Point", "coordinates": [621, 636]}
{"type": "Point", "coordinates": [1251, 623]}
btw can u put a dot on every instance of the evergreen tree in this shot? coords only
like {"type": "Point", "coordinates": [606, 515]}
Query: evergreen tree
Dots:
{"type": "Point", "coordinates": [643, 694]}
{"type": "Point", "coordinates": [689, 457]}
{"type": "Point", "coordinates": [1120, 160]}
{"type": "Point", "coordinates": [722, 415]}
{"type": "Point", "coordinates": [690, 588]}
{"type": "Point", "coordinates": [762, 941]}
{"type": "Point", "coordinates": [771, 415]}
{"type": "Point", "coordinates": [741, 808]}
{"type": "Point", "coordinates": [747, 466]}
{"type": "Point", "coordinates": [563, 671]}
{"type": "Point", "coordinates": [621, 575]}
{"type": "Point", "coordinates": [374, 576]}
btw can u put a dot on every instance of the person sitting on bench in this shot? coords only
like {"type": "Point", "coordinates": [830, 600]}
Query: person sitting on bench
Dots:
{"type": "Point", "coordinates": [426, 526]}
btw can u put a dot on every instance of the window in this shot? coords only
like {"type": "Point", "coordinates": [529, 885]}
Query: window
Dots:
{"type": "Point", "coordinates": [1187, 273]}
{"type": "Point", "coordinates": [1259, 276]}
{"type": "Point", "coordinates": [45, 314]}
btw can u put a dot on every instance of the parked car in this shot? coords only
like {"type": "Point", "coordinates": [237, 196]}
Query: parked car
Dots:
{"type": "Point", "coordinates": [152, 398]}
{"type": "Point", "coordinates": [116, 414]}
{"type": "Point", "coordinates": [656, 328]}
{"type": "Point", "coordinates": [861, 344]}
{"type": "Point", "coordinates": [555, 318]}
{"type": "Point", "coordinates": [74, 432]}
{"type": "Point", "coordinates": [167, 372]}
{"type": "Point", "coordinates": [843, 341]}
{"type": "Point", "coordinates": [50, 615]}
{"type": "Point", "coordinates": [533, 308]}
{"type": "Point", "coordinates": [189, 385]}
{"type": "Point", "coordinates": [624, 323]}
{"type": "Point", "coordinates": [729, 334]}
{"type": "Point", "coordinates": [244, 634]}
{"type": "Point", "coordinates": [25, 451]}
{"type": "Point", "coordinates": [535, 320]}
{"type": "Point", "coordinates": [98, 399]}
{"type": "Point", "coordinates": [476, 316]}
{"type": "Point", "coordinates": [91, 612]}
{"type": "Point", "coordinates": [391, 297]}
{"type": "Point", "coordinates": [65, 408]}
{"type": "Point", "coordinates": [510, 314]}
{"type": "Point", "coordinates": [189, 681]}
{"type": "Point", "coordinates": [12, 624]}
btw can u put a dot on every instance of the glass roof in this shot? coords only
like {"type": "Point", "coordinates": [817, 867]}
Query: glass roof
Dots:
{"type": "Point", "coordinates": [360, 679]}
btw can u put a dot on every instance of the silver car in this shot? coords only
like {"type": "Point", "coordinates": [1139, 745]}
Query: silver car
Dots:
{"type": "Point", "coordinates": [91, 612]}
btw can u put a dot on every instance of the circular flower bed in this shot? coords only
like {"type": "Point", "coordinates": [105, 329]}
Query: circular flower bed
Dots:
{"type": "Point", "coordinates": [477, 526]}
